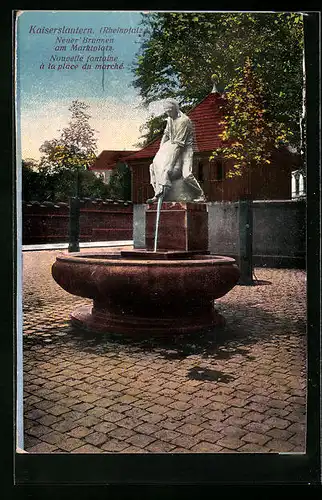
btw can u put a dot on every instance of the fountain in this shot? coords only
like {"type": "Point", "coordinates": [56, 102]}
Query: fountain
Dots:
{"type": "Point", "coordinates": [170, 286]}
{"type": "Point", "coordinates": [164, 291]}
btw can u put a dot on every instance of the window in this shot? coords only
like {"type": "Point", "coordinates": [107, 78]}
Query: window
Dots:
{"type": "Point", "coordinates": [298, 185]}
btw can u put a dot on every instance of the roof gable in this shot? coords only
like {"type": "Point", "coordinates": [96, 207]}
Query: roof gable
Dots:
{"type": "Point", "coordinates": [206, 118]}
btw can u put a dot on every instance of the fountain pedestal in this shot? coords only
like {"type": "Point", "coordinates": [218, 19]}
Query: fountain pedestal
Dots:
{"type": "Point", "coordinates": [183, 226]}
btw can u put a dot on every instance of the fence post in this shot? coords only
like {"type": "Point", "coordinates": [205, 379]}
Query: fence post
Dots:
{"type": "Point", "coordinates": [245, 226]}
{"type": "Point", "coordinates": [74, 212]}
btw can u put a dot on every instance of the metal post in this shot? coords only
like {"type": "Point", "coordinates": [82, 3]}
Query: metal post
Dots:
{"type": "Point", "coordinates": [245, 216]}
{"type": "Point", "coordinates": [74, 212]}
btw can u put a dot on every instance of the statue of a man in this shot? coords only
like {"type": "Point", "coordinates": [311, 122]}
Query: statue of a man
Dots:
{"type": "Point", "coordinates": [174, 158]}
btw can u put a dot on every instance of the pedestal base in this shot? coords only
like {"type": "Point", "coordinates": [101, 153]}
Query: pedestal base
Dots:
{"type": "Point", "coordinates": [183, 226]}
{"type": "Point", "coordinates": [103, 321]}
{"type": "Point", "coordinates": [162, 254]}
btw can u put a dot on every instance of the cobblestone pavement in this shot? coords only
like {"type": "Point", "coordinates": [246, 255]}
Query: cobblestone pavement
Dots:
{"type": "Point", "coordinates": [238, 389]}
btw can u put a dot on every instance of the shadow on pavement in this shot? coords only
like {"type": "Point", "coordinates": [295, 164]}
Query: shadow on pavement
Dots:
{"type": "Point", "coordinates": [199, 373]}
{"type": "Point", "coordinates": [244, 327]}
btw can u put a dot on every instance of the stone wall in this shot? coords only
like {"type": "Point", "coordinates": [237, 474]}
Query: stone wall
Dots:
{"type": "Point", "coordinates": [279, 231]}
{"type": "Point", "coordinates": [100, 220]}
{"type": "Point", "coordinates": [279, 227]}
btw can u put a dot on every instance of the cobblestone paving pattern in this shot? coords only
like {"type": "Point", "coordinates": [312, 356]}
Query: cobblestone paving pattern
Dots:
{"type": "Point", "coordinates": [241, 388]}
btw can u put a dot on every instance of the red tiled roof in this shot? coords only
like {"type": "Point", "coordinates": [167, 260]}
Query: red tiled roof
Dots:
{"type": "Point", "coordinates": [205, 117]}
{"type": "Point", "coordinates": [147, 152]}
{"type": "Point", "coordinates": [107, 159]}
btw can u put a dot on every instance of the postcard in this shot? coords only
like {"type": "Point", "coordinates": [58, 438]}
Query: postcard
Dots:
{"type": "Point", "coordinates": [161, 201]}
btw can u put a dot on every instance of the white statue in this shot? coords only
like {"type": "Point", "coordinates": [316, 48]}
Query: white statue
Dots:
{"type": "Point", "coordinates": [174, 158]}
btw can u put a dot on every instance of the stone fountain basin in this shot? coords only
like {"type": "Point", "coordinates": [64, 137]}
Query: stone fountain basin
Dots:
{"type": "Point", "coordinates": [166, 293]}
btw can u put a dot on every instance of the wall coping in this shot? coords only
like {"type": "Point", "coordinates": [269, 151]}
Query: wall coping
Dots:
{"type": "Point", "coordinates": [82, 244]}
{"type": "Point", "coordinates": [258, 202]}
{"type": "Point", "coordinates": [87, 201]}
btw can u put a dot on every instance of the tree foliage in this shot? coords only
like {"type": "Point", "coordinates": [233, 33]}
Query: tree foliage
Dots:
{"type": "Point", "coordinates": [182, 52]}
{"type": "Point", "coordinates": [76, 147]}
{"type": "Point", "coordinates": [120, 182]}
{"type": "Point", "coordinates": [62, 169]}
{"type": "Point", "coordinates": [246, 119]}
{"type": "Point", "coordinates": [39, 185]}
{"type": "Point", "coordinates": [33, 183]}
{"type": "Point", "coordinates": [150, 130]}
{"type": "Point", "coordinates": [63, 165]}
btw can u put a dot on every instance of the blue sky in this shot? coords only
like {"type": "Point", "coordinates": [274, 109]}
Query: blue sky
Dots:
{"type": "Point", "coordinates": [45, 94]}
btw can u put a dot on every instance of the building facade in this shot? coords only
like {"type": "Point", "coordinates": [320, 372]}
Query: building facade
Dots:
{"type": "Point", "coordinates": [267, 182]}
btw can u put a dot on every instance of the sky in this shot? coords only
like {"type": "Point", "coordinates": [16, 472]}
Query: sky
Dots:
{"type": "Point", "coordinates": [44, 93]}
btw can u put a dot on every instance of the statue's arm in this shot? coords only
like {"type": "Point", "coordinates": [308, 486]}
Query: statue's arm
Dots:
{"type": "Point", "coordinates": [166, 135]}
{"type": "Point", "coordinates": [179, 142]}
{"type": "Point", "coordinates": [182, 134]}
{"type": "Point", "coordinates": [176, 151]}
{"type": "Point", "coordinates": [163, 140]}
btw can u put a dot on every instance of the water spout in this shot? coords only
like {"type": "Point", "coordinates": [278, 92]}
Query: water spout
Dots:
{"type": "Point", "coordinates": [156, 233]}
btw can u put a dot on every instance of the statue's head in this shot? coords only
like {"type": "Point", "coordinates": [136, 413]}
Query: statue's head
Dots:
{"type": "Point", "coordinates": [171, 107]}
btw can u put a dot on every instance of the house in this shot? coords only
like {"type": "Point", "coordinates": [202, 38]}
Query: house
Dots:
{"type": "Point", "coordinates": [105, 163]}
{"type": "Point", "coordinates": [268, 182]}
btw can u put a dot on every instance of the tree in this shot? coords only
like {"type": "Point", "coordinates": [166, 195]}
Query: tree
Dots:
{"type": "Point", "coordinates": [76, 147]}
{"type": "Point", "coordinates": [31, 164]}
{"type": "Point", "coordinates": [182, 52]}
{"type": "Point", "coordinates": [33, 183]}
{"type": "Point", "coordinates": [120, 182]}
{"type": "Point", "coordinates": [150, 130]}
{"type": "Point", "coordinates": [250, 134]}
{"type": "Point", "coordinates": [65, 160]}
{"type": "Point", "coordinates": [62, 170]}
